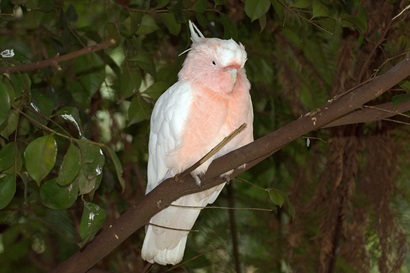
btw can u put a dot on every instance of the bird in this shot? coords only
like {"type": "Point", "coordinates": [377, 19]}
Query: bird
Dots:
{"type": "Point", "coordinates": [208, 102]}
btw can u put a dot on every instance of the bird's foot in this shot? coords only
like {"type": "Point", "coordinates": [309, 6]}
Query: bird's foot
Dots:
{"type": "Point", "coordinates": [226, 177]}
{"type": "Point", "coordinates": [197, 179]}
{"type": "Point", "coordinates": [242, 166]}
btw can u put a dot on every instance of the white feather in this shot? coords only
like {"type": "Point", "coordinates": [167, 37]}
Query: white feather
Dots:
{"type": "Point", "coordinates": [167, 123]}
{"type": "Point", "coordinates": [196, 34]}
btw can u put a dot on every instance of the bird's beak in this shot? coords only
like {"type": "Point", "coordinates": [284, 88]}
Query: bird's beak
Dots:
{"type": "Point", "coordinates": [234, 73]}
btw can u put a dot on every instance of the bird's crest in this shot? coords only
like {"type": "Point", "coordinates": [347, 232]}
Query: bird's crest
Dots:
{"type": "Point", "coordinates": [196, 34]}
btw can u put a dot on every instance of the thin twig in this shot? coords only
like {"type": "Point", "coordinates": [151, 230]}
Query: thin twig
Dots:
{"type": "Point", "coordinates": [397, 121]}
{"type": "Point", "coordinates": [216, 149]}
{"type": "Point", "coordinates": [366, 64]}
{"type": "Point", "coordinates": [185, 262]}
{"type": "Point", "coordinates": [219, 207]}
{"type": "Point", "coordinates": [221, 144]}
{"type": "Point", "coordinates": [386, 110]}
{"type": "Point", "coordinates": [401, 12]}
{"type": "Point", "coordinates": [171, 228]}
{"type": "Point", "coordinates": [7, 14]}
{"type": "Point", "coordinates": [54, 61]}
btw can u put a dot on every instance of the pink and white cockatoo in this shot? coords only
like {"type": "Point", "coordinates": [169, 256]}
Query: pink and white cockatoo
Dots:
{"type": "Point", "coordinates": [208, 102]}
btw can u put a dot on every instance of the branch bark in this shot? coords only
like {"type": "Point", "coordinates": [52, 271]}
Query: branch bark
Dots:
{"type": "Point", "coordinates": [371, 113]}
{"type": "Point", "coordinates": [57, 59]}
{"type": "Point", "coordinates": [171, 189]}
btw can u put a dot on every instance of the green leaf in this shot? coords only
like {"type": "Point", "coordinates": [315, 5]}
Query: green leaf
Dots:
{"type": "Point", "coordinates": [319, 10]}
{"type": "Point", "coordinates": [357, 22]}
{"type": "Point", "coordinates": [92, 163]}
{"type": "Point", "coordinates": [161, 4]}
{"type": "Point", "coordinates": [81, 97]}
{"type": "Point", "coordinates": [262, 22]}
{"type": "Point", "coordinates": [169, 21]}
{"type": "Point", "coordinates": [118, 167]}
{"type": "Point", "coordinates": [7, 154]}
{"type": "Point", "coordinates": [4, 103]}
{"type": "Point", "coordinates": [277, 197]}
{"type": "Point", "coordinates": [90, 74]}
{"type": "Point", "coordinates": [10, 125]}
{"type": "Point", "coordinates": [256, 8]}
{"type": "Point", "coordinates": [111, 32]}
{"type": "Point", "coordinates": [40, 157]}
{"type": "Point", "coordinates": [92, 220]}
{"type": "Point", "coordinates": [139, 110]}
{"type": "Point", "coordinates": [42, 102]}
{"type": "Point", "coordinates": [220, 2]}
{"type": "Point", "coordinates": [130, 82]}
{"type": "Point", "coordinates": [72, 115]}
{"type": "Point", "coordinates": [16, 160]}
{"type": "Point", "coordinates": [200, 6]}
{"type": "Point", "coordinates": [70, 166]}
{"type": "Point", "coordinates": [92, 82]}
{"type": "Point", "coordinates": [55, 196]}
{"type": "Point", "coordinates": [168, 74]}
{"type": "Point", "coordinates": [130, 25]}
{"type": "Point", "coordinates": [405, 85]}
{"type": "Point", "coordinates": [87, 63]}
{"type": "Point", "coordinates": [71, 14]}
{"type": "Point", "coordinates": [10, 159]}
{"type": "Point", "coordinates": [301, 4]}
{"type": "Point", "coordinates": [230, 30]}
{"type": "Point", "coordinates": [290, 208]}
{"type": "Point", "coordinates": [7, 189]}
{"type": "Point", "coordinates": [156, 89]}
{"type": "Point", "coordinates": [145, 62]}
{"type": "Point", "coordinates": [177, 11]}
{"type": "Point", "coordinates": [397, 99]}
{"type": "Point", "coordinates": [147, 25]}
{"type": "Point", "coordinates": [21, 82]}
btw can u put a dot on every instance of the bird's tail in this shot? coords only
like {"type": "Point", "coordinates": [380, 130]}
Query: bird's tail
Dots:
{"type": "Point", "coordinates": [165, 241]}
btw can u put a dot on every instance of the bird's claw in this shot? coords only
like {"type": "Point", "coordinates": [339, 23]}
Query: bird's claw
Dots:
{"type": "Point", "coordinates": [226, 177]}
{"type": "Point", "coordinates": [197, 179]}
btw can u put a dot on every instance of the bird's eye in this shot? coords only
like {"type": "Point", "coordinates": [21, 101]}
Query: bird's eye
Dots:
{"type": "Point", "coordinates": [213, 62]}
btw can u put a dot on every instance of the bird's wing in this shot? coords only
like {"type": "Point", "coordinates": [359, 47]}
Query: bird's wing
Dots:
{"type": "Point", "coordinates": [167, 123]}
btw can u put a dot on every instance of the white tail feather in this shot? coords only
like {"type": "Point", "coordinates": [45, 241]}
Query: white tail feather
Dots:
{"type": "Point", "coordinates": [167, 246]}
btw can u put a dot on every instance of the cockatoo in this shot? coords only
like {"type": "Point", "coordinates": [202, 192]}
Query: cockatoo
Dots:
{"type": "Point", "coordinates": [208, 102]}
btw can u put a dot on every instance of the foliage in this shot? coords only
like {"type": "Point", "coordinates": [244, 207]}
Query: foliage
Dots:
{"type": "Point", "coordinates": [73, 136]}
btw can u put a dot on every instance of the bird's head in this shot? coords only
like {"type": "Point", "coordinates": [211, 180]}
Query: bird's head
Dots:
{"type": "Point", "coordinates": [213, 63]}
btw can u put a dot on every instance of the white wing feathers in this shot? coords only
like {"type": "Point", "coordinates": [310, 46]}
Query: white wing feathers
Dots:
{"type": "Point", "coordinates": [167, 245]}
{"type": "Point", "coordinates": [167, 123]}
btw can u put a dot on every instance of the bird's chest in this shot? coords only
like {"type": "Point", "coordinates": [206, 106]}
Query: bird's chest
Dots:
{"type": "Point", "coordinates": [213, 117]}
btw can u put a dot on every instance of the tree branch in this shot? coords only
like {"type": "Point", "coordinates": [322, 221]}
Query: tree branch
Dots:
{"type": "Point", "coordinates": [57, 59]}
{"type": "Point", "coordinates": [173, 188]}
{"type": "Point", "coordinates": [371, 113]}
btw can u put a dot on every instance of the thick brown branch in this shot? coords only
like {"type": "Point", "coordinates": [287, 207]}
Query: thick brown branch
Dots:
{"type": "Point", "coordinates": [171, 189]}
{"type": "Point", "coordinates": [371, 113]}
{"type": "Point", "coordinates": [57, 59]}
